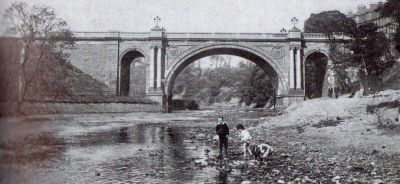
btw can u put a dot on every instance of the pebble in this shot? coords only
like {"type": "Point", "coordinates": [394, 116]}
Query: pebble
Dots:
{"type": "Point", "coordinates": [280, 181]}
{"type": "Point", "coordinates": [378, 181]}
{"type": "Point", "coordinates": [309, 159]}
{"type": "Point", "coordinates": [336, 179]}
{"type": "Point", "coordinates": [276, 171]}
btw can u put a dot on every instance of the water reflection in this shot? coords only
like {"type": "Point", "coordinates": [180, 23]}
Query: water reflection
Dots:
{"type": "Point", "coordinates": [123, 135]}
{"type": "Point", "coordinates": [109, 153]}
{"type": "Point", "coordinates": [222, 177]}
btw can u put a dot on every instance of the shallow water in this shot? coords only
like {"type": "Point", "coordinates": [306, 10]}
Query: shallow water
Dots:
{"type": "Point", "coordinates": [65, 151]}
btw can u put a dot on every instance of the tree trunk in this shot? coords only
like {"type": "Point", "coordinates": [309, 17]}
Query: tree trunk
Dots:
{"type": "Point", "coordinates": [21, 78]}
{"type": "Point", "coordinates": [21, 90]}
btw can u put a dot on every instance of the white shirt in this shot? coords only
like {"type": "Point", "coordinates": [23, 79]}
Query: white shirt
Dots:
{"type": "Point", "coordinates": [244, 135]}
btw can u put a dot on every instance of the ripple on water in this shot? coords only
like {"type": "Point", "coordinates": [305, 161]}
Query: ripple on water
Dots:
{"type": "Point", "coordinates": [122, 152]}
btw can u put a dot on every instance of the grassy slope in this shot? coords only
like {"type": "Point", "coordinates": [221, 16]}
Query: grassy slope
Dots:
{"type": "Point", "coordinates": [57, 81]}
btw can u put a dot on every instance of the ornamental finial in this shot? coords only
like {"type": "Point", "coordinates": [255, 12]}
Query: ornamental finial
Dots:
{"type": "Point", "coordinates": [294, 21]}
{"type": "Point", "coordinates": [157, 20]}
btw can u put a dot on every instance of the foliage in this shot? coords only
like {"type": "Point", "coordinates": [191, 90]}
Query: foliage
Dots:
{"type": "Point", "coordinates": [42, 35]}
{"type": "Point", "coordinates": [391, 8]}
{"type": "Point", "coordinates": [331, 23]}
{"type": "Point", "coordinates": [336, 26]}
{"type": "Point", "coordinates": [221, 82]}
{"type": "Point", "coordinates": [259, 89]}
{"type": "Point", "coordinates": [369, 46]}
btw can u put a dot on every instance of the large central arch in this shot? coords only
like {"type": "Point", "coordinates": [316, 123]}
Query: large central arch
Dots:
{"type": "Point", "coordinates": [253, 54]}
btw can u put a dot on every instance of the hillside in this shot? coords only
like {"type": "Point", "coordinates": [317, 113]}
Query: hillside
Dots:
{"type": "Point", "coordinates": [56, 80]}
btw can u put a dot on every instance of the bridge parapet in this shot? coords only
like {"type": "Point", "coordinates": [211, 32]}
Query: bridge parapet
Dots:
{"type": "Point", "coordinates": [255, 36]}
{"type": "Point", "coordinates": [111, 35]}
{"type": "Point", "coordinates": [179, 36]}
{"type": "Point", "coordinates": [197, 36]}
{"type": "Point", "coordinates": [314, 36]}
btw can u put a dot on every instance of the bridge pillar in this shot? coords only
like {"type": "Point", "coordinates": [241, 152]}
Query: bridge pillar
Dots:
{"type": "Point", "coordinates": [151, 69]}
{"type": "Point", "coordinates": [156, 90]}
{"type": "Point", "coordinates": [296, 89]}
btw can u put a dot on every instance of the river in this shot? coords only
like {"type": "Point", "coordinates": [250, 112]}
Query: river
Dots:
{"type": "Point", "coordinates": [112, 148]}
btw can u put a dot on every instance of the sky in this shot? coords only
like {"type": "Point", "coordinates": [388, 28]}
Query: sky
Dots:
{"type": "Point", "coordinates": [262, 16]}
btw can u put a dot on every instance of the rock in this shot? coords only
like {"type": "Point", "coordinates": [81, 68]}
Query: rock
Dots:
{"type": "Point", "coordinates": [201, 136]}
{"type": "Point", "coordinates": [97, 174]}
{"type": "Point", "coordinates": [374, 152]}
{"type": "Point", "coordinates": [280, 181]}
{"type": "Point", "coordinates": [276, 171]}
{"type": "Point", "coordinates": [308, 179]}
{"type": "Point", "coordinates": [378, 181]}
{"type": "Point", "coordinates": [246, 182]}
{"type": "Point", "coordinates": [388, 117]}
{"type": "Point", "coordinates": [283, 155]}
{"type": "Point", "coordinates": [215, 138]}
{"type": "Point", "coordinates": [309, 159]}
{"type": "Point", "coordinates": [336, 179]}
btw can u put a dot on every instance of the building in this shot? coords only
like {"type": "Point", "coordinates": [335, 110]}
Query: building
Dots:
{"type": "Point", "coordinates": [364, 15]}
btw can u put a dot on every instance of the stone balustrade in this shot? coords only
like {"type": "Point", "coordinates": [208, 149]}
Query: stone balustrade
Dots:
{"type": "Point", "coordinates": [177, 35]}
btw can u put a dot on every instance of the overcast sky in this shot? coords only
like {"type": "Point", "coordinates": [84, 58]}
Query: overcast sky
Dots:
{"type": "Point", "coordinates": [189, 15]}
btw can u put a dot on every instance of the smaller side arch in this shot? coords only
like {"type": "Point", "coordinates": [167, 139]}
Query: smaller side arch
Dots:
{"type": "Point", "coordinates": [314, 51]}
{"type": "Point", "coordinates": [134, 49]}
{"type": "Point", "coordinates": [317, 65]}
{"type": "Point", "coordinates": [124, 70]}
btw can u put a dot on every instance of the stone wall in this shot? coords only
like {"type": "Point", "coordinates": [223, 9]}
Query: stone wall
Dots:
{"type": "Point", "coordinates": [97, 59]}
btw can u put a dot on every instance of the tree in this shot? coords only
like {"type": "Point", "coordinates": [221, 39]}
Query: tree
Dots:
{"type": "Point", "coordinates": [369, 46]}
{"type": "Point", "coordinates": [391, 8]}
{"type": "Point", "coordinates": [42, 35]}
{"type": "Point", "coordinates": [336, 26]}
{"type": "Point", "coordinates": [258, 88]}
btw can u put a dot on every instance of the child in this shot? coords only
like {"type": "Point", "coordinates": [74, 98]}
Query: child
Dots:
{"type": "Point", "coordinates": [222, 131]}
{"type": "Point", "coordinates": [245, 137]}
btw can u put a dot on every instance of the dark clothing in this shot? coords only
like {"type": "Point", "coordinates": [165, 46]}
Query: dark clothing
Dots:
{"type": "Point", "coordinates": [223, 142]}
{"type": "Point", "coordinates": [222, 131]}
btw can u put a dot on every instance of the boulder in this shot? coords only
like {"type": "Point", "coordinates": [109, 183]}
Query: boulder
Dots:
{"type": "Point", "coordinates": [388, 117]}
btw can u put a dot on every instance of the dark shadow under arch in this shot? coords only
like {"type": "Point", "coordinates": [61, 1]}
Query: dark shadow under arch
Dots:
{"type": "Point", "coordinates": [315, 68]}
{"type": "Point", "coordinates": [125, 73]}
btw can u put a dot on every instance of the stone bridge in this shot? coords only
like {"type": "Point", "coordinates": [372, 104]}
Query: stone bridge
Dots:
{"type": "Point", "coordinates": [107, 57]}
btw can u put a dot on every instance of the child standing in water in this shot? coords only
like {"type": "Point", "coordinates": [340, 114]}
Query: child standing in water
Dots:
{"type": "Point", "coordinates": [222, 131]}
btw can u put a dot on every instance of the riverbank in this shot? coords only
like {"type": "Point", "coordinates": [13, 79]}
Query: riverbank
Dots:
{"type": "Point", "coordinates": [316, 141]}
{"type": "Point", "coordinates": [332, 140]}
{"type": "Point", "coordinates": [43, 108]}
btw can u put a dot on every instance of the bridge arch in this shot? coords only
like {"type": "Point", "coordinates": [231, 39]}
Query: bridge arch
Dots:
{"type": "Point", "coordinates": [316, 71]}
{"type": "Point", "coordinates": [256, 55]}
{"type": "Point", "coordinates": [126, 60]}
